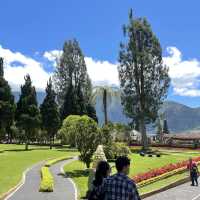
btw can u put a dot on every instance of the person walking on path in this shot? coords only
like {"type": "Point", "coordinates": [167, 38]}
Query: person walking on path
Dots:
{"type": "Point", "coordinates": [102, 172]}
{"type": "Point", "coordinates": [194, 172]}
{"type": "Point", "coordinates": [120, 186]}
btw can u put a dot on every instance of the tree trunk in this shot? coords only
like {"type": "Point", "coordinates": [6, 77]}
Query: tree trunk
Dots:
{"type": "Point", "coordinates": [50, 143]}
{"type": "Point", "coordinates": [26, 145]}
{"type": "Point", "coordinates": [105, 106]}
{"type": "Point", "coordinates": [143, 134]}
{"type": "Point", "coordinates": [87, 164]}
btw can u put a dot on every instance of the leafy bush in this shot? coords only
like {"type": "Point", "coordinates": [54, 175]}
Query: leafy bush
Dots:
{"type": "Point", "coordinates": [116, 149]}
{"type": "Point", "coordinates": [54, 161]}
{"type": "Point", "coordinates": [83, 133]}
{"type": "Point", "coordinates": [47, 182]}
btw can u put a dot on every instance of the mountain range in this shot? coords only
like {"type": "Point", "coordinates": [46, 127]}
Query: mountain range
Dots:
{"type": "Point", "coordinates": [180, 118]}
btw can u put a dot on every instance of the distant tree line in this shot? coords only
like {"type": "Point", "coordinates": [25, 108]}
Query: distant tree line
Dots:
{"type": "Point", "coordinates": [70, 93]}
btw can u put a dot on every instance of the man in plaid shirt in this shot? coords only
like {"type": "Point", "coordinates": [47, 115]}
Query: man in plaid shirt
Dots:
{"type": "Point", "coordinates": [120, 186]}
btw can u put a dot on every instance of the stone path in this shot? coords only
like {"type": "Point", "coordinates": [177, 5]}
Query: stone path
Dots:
{"type": "Point", "coordinates": [182, 192]}
{"type": "Point", "coordinates": [64, 188]}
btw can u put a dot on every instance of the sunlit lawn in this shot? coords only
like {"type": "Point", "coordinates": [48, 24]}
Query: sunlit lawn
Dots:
{"type": "Point", "coordinates": [139, 164]}
{"type": "Point", "coordinates": [14, 160]}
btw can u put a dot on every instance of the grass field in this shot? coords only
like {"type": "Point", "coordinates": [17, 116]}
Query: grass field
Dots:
{"type": "Point", "coordinates": [14, 160]}
{"type": "Point", "coordinates": [139, 164]}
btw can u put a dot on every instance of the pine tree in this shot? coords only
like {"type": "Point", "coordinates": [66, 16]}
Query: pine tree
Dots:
{"type": "Point", "coordinates": [7, 105]}
{"type": "Point", "coordinates": [49, 113]}
{"type": "Point", "coordinates": [143, 78]}
{"type": "Point", "coordinates": [27, 113]}
{"type": "Point", "coordinates": [71, 81]}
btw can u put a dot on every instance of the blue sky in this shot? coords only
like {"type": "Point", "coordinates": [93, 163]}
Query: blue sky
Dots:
{"type": "Point", "coordinates": [33, 28]}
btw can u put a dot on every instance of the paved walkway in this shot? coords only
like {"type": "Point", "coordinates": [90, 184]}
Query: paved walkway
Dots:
{"type": "Point", "coordinates": [182, 192]}
{"type": "Point", "coordinates": [63, 187]}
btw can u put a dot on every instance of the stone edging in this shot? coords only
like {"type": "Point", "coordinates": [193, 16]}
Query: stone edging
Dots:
{"type": "Point", "coordinates": [172, 185]}
{"type": "Point", "coordinates": [71, 180]}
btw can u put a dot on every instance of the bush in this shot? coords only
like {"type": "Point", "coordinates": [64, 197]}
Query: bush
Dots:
{"type": "Point", "coordinates": [47, 182]}
{"type": "Point", "coordinates": [54, 161]}
{"type": "Point", "coordinates": [116, 150]}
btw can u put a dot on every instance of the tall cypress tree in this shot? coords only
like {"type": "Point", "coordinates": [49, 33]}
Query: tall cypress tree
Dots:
{"type": "Point", "coordinates": [71, 81]}
{"type": "Point", "coordinates": [143, 77]}
{"type": "Point", "coordinates": [7, 105]}
{"type": "Point", "coordinates": [165, 127]}
{"type": "Point", "coordinates": [49, 113]}
{"type": "Point", "coordinates": [27, 113]}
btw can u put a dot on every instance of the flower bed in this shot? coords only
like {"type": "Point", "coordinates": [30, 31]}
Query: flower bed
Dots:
{"type": "Point", "coordinates": [163, 172]}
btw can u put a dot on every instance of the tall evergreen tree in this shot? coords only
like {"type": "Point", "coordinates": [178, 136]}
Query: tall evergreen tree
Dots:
{"type": "Point", "coordinates": [71, 81]}
{"type": "Point", "coordinates": [27, 113]}
{"type": "Point", "coordinates": [49, 113]}
{"type": "Point", "coordinates": [143, 78]}
{"type": "Point", "coordinates": [7, 105]}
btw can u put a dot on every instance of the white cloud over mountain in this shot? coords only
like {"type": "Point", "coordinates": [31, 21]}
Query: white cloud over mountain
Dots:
{"type": "Point", "coordinates": [185, 74]}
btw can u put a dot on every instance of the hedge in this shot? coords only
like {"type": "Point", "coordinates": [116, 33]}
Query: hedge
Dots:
{"type": "Point", "coordinates": [47, 181]}
{"type": "Point", "coordinates": [54, 161]}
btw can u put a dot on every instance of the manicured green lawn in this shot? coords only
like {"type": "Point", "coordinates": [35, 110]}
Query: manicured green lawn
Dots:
{"type": "Point", "coordinates": [139, 164]}
{"type": "Point", "coordinates": [14, 160]}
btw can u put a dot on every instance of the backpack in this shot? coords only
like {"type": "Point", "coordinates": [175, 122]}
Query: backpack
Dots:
{"type": "Point", "coordinates": [194, 169]}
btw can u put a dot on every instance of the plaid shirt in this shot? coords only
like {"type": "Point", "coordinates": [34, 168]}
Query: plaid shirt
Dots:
{"type": "Point", "coordinates": [120, 187]}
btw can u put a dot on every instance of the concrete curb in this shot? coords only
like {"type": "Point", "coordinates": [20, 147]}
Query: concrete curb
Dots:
{"type": "Point", "coordinates": [172, 185]}
{"type": "Point", "coordinates": [71, 180]}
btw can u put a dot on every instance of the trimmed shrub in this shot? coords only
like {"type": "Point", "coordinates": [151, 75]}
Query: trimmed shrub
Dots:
{"type": "Point", "coordinates": [54, 161]}
{"type": "Point", "coordinates": [47, 182]}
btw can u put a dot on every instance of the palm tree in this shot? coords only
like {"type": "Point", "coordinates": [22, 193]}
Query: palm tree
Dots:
{"type": "Point", "coordinates": [106, 93]}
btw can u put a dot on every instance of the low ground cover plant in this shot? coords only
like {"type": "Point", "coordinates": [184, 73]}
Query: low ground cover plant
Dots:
{"type": "Point", "coordinates": [169, 169]}
{"type": "Point", "coordinates": [54, 161]}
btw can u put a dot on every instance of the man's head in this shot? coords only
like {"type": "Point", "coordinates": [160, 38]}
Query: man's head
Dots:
{"type": "Point", "coordinates": [123, 164]}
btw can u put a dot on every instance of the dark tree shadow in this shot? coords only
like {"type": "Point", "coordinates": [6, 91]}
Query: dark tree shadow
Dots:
{"type": "Point", "coordinates": [77, 173]}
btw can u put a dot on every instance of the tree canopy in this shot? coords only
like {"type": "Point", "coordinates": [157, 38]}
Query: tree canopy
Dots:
{"type": "Point", "coordinates": [144, 79]}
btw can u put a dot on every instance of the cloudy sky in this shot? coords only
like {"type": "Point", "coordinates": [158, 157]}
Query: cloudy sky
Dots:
{"type": "Point", "coordinates": [32, 32]}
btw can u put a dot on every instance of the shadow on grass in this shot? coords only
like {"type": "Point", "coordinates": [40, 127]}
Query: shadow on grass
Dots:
{"type": "Point", "coordinates": [67, 150]}
{"type": "Point", "coordinates": [77, 173]}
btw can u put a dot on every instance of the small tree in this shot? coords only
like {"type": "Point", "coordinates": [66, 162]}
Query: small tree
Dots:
{"type": "Point", "coordinates": [81, 131]}
{"type": "Point", "coordinates": [27, 113]}
{"type": "Point", "coordinates": [50, 114]}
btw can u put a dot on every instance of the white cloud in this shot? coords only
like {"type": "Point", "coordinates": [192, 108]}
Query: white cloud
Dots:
{"type": "Point", "coordinates": [102, 72]}
{"type": "Point", "coordinates": [185, 74]}
{"type": "Point", "coordinates": [18, 65]}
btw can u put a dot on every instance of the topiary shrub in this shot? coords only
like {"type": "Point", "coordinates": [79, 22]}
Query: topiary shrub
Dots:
{"type": "Point", "coordinates": [47, 182]}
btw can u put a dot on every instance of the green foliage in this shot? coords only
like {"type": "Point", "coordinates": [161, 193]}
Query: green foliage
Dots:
{"type": "Point", "coordinates": [7, 105]}
{"type": "Point", "coordinates": [72, 82]}
{"type": "Point", "coordinates": [82, 132]}
{"type": "Point", "coordinates": [47, 181]}
{"type": "Point", "coordinates": [144, 79]}
{"type": "Point", "coordinates": [56, 160]}
{"type": "Point", "coordinates": [27, 113]}
{"type": "Point", "coordinates": [49, 113]}
{"type": "Point", "coordinates": [116, 149]}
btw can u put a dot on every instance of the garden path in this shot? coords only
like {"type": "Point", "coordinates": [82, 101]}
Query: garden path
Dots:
{"type": "Point", "coordinates": [63, 187]}
{"type": "Point", "coordinates": [182, 192]}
